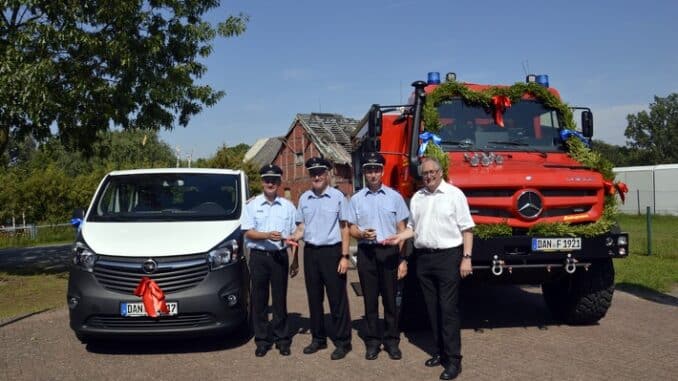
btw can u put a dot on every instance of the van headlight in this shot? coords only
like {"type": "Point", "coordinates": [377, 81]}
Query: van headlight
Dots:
{"type": "Point", "coordinates": [223, 254]}
{"type": "Point", "coordinates": [83, 257]}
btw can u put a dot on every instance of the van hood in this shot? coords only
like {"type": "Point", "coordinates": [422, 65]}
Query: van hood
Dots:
{"type": "Point", "coordinates": [156, 239]}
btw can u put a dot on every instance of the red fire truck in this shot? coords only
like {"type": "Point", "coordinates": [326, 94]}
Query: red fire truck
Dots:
{"type": "Point", "coordinates": [542, 214]}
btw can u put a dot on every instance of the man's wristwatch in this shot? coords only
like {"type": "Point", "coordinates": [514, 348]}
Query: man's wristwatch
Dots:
{"type": "Point", "coordinates": [346, 256]}
{"type": "Point", "coordinates": [467, 255]}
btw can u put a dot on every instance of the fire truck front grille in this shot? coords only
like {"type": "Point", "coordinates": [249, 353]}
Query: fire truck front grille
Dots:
{"type": "Point", "coordinates": [173, 274]}
{"type": "Point", "coordinates": [500, 203]}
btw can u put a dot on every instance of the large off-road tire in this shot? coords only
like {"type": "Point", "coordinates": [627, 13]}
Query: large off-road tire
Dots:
{"type": "Point", "coordinates": [584, 297]}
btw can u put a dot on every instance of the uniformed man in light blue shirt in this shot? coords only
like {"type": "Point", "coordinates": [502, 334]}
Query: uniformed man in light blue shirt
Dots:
{"type": "Point", "coordinates": [375, 213]}
{"type": "Point", "coordinates": [322, 223]}
{"type": "Point", "coordinates": [269, 220]}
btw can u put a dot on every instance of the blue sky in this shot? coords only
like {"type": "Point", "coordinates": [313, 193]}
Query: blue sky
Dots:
{"type": "Point", "coordinates": [342, 56]}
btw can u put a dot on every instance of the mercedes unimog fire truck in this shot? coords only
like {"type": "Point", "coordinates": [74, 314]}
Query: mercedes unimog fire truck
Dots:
{"type": "Point", "coordinates": [543, 202]}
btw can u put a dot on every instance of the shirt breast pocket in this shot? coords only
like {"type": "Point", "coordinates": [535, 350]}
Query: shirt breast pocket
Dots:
{"type": "Point", "coordinates": [281, 223]}
{"type": "Point", "coordinates": [330, 211]}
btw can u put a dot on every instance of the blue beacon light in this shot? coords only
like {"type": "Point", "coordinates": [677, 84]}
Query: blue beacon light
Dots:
{"type": "Point", "coordinates": [543, 80]}
{"type": "Point", "coordinates": [433, 78]}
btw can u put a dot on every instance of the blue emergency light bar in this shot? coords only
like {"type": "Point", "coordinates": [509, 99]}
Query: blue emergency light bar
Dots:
{"type": "Point", "coordinates": [433, 78]}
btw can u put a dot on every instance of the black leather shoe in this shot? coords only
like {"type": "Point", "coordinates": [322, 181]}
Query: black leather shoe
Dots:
{"type": "Point", "coordinates": [451, 372]}
{"type": "Point", "coordinates": [433, 361]}
{"type": "Point", "coordinates": [372, 353]}
{"type": "Point", "coordinates": [393, 352]}
{"type": "Point", "coordinates": [261, 351]}
{"type": "Point", "coordinates": [340, 352]}
{"type": "Point", "coordinates": [284, 349]}
{"type": "Point", "coordinates": [314, 347]}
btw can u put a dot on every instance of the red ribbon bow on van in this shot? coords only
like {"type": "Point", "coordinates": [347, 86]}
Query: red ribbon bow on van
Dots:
{"type": "Point", "coordinates": [500, 103]}
{"type": "Point", "coordinates": [152, 296]}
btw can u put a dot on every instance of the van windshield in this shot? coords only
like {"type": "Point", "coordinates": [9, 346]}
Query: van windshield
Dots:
{"type": "Point", "coordinates": [168, 197]}
{"type": "Point", "coordinates": [528, 125]}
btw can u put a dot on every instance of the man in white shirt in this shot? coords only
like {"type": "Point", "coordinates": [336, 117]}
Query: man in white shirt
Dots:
{"type": "Point", "coordinates": [441, 224]}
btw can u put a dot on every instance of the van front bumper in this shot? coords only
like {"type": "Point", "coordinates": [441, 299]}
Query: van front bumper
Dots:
{"type": "Point", "coordinates": [205, 309]}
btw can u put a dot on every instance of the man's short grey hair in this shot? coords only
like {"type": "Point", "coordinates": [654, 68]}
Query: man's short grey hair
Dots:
{"type": "Point", "coordinates": [425, 159]}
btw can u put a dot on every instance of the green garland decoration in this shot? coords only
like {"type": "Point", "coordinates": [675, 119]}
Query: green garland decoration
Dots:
{"type": "Point", "coordinates": [576, 149]}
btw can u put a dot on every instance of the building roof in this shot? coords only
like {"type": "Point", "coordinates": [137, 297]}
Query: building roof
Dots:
{"type": "Point", "coordinates": [331, 134]}
{"type": "Point", "coordinates": [263, 151]}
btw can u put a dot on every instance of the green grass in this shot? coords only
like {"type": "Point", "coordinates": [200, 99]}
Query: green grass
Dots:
{"type": "Point", "coordinates": [22, 294]}
{"type": "Point", "coordinates": [43, 236]}
{"type": "Point", "coordinates": [659, 271]}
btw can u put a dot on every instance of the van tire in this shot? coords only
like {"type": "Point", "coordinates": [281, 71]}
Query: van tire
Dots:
{"type": "Point", "coordinates": [584, 297]}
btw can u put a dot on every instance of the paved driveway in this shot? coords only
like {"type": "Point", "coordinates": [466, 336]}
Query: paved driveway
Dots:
{"type": "Point", "coordinates": [507, 334]}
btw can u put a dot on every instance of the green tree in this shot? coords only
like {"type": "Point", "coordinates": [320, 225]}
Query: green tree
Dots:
{"type": "Point", "coordinates": [620, 156]}
{"type": "Point", "coordinates": [85, 65]}
{"type": "Point", "coordinates": [655, 134]}
{"type": "Point", "coordinates": [231, 157]}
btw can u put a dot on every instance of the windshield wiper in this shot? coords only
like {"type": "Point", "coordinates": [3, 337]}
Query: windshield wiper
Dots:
{"type": "Point", "coordinates": [457, 143]}
{"type": "Point", "coordinates": [508, 143]}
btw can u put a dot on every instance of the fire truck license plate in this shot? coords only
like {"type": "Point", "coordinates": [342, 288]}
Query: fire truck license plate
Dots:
{"type": "Point", "coordinates": [556, 244]}
{"type": "Point", "coordinates": [131, 309]}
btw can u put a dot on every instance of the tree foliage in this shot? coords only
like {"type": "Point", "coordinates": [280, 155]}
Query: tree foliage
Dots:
{"type": "Point", "coordinates": [232, 158]}
{"type": "Point", "coordinates": [84, 65]}
{"type": "Point", "coordinates": [46, 183]}
{"type": "Point", "coordinates": [656, 133]}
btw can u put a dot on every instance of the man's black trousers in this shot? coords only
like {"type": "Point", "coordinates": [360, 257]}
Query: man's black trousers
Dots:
{"type": "Point", "coordinates": [438, 274]}
{"type": "Point", "coordinates": [378, 270]}
{"type": "Point", "coordinates": [269, 269]}
{"type": "Point", "coordinates": [320, 271]}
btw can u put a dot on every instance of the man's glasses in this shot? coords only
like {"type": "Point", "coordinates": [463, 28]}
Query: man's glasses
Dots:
{"type": "Point", "coordinates": [430, 173]}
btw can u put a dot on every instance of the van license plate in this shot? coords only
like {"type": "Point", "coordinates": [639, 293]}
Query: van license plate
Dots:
{"type": "Point", "coordinates": [556, 244]}
{"type": "Point", "coordinates": [131, 309]}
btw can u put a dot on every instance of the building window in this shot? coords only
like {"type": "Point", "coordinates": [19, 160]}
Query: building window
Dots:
{"type": "Point", "coordinates": [299, 158]}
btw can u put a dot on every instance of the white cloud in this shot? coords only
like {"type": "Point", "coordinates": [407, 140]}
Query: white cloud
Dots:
{"type": "Point", "coordinates": [610, 122]}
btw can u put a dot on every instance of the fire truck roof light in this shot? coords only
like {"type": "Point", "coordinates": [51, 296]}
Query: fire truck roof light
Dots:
{"type": "Point", "coordinates": [433, 78]}
{"type": "Point", "coordinates": [450, 77]}
{"type": "Point", "coordinates": [543, 80]}
{"type": "Point", "coordinates": [531, 78]}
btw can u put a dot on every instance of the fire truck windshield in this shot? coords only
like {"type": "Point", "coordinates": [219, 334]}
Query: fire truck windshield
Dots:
{"type": "Point", "coordinates": [527, 125]}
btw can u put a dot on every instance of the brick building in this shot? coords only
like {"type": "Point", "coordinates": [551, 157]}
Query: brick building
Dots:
{"type": "Point", "coordinates": [316, 134]}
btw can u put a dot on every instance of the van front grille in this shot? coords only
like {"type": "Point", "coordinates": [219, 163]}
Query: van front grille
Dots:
{"type": "Point", "coordinates": [173, 274]}
{"type": "Point", "coordinates": [148, 323]}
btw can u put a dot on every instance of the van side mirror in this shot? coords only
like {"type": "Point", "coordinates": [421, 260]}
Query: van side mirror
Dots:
{"type": "Point", "coordinates": [374, 121]}
{"type": "Point", "coordinates": [587, 123]}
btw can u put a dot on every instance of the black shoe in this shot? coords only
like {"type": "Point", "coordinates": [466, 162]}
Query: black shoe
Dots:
{"type": "Point", "coordinates": [284, 349]}
{"type": "Point", "coordinates": [314, 347]}
{"type": "Point", "coordinates": [433, 361]}
{"type": "Point", "coordinates": [340, 352]}
{"type": "Point", "coordinates": [372, 352]}
{"type": "Point", "coordinates": [261, 351]}
{"type": "Point", "coordinates": [393, 352]}
{"type": "Point", "coordinates": [451, 372]}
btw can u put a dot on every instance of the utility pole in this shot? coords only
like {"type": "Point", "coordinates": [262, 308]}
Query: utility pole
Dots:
{"type": "Point", "coordinates": [178, 151]}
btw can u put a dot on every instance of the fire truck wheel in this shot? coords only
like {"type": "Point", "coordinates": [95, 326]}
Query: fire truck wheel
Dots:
{"type": "Point", "coordinates": [584, 297]}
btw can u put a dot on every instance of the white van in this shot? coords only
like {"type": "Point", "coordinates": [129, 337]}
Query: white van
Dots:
{"type": "Point", "coordinates": [179, 227]}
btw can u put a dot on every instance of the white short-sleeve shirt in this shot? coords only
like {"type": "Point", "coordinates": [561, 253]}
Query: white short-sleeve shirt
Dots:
{"type": "Point", "coordinates": [438, 218]}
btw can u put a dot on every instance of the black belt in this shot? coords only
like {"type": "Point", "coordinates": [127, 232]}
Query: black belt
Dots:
{"type": "Point", "coordinates": [375, 245]}
{"type": "Point", "coordinates": [268, 252]}
{"type": "Point", "coordinates": [321, 246]}
{"type": "Point", "coordinates": [425, 250]}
